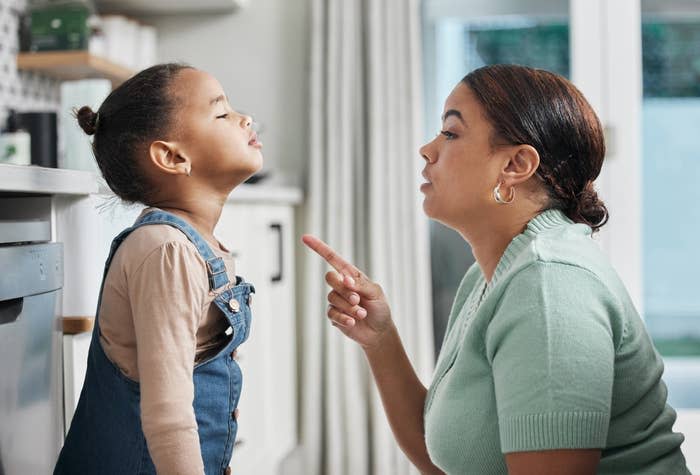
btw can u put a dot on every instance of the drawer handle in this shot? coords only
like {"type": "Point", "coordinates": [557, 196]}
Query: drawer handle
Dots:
{"type": "Point", "coordinates": [277, 227]}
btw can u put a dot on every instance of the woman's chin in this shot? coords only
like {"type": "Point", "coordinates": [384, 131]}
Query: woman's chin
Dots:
{"type": "Point", "coordinates": [428, 208]}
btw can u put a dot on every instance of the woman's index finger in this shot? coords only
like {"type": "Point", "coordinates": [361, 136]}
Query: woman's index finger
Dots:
{"type": "Point", "coordinates": [329, 255]}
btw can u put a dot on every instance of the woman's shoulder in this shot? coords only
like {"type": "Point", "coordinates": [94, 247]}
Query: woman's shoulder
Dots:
{"type": "Point", "coordinates": [563, 271]}
{"type": "Point", "coordinates": [569, 245]}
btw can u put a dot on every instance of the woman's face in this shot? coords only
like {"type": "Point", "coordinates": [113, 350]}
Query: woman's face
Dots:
{"type": "Point", "coordinates": [218, 140]}
{"type": "Point", "coordinates": [461, 167]}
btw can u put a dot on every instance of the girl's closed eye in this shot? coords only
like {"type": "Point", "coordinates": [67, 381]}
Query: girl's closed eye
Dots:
{"type": "Point", "coordinates": [449, 135]}
{"type": "Point", "coordinates": [222, 116]}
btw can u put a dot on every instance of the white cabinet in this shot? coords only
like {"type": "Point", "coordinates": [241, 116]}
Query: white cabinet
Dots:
{"type": "Point", "coordinates": [75, 356]}
{"type": "Point", "coordinates": [262, 238]}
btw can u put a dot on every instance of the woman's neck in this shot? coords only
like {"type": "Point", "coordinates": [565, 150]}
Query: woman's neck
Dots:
{"type": "Point", "coordinates": [490, 240]}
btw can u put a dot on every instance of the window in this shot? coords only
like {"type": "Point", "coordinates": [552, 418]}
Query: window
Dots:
{"type": "Point", "coordinates": [671, 199]}
{"type": "Point", "coordinates": [458, 42]}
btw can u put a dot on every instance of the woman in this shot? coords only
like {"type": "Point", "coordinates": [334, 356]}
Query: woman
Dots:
{"type": "Point", "coordinates": [546, 367]}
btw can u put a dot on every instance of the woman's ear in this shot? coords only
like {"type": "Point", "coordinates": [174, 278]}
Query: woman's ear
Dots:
{"type": "Point", "coordinates": [522, 163]}
{"type": "Point", "coordinates": [167, 159]}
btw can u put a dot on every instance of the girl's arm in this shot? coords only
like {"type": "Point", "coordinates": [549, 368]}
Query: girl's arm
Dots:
{"type": "Point", "coordinates": [164, 295]}
{"type": "Point", "coordinates": [359, 309]}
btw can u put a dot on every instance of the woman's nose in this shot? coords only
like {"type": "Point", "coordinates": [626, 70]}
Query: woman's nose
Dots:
{"type": "Point", "coordinates": [426, 152]}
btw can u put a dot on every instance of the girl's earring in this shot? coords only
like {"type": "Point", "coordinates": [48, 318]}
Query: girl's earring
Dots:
{"type": "Point", "coordinates": [497, 194]}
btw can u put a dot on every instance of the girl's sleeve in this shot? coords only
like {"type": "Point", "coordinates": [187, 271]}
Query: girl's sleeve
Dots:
{"type": "Point", "coordinates": [551, 348]}
{"type": "Point", "coordinates": [166, 294]}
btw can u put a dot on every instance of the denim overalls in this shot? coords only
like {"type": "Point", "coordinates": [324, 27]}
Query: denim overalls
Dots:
{"type": "Point", "coordinates": [105, 436]}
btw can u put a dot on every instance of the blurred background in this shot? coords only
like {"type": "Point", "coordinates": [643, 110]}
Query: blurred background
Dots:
{"type": "Point", "coordinates": [344, 93]}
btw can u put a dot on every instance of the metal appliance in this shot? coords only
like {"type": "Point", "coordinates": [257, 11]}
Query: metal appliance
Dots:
{"type": "Point", "coordinates": [31, 401]}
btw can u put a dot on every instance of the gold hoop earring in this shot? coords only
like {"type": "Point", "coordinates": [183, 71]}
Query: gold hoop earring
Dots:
{"type": "Point", "coordinates": [497, 194]}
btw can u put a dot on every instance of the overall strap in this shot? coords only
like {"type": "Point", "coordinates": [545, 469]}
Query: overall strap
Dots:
{"type": "Point", "coordinates": [216, 268]}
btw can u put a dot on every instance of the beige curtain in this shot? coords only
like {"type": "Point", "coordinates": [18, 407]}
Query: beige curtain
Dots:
{"type": "Point", "coordinates": [362, 198]}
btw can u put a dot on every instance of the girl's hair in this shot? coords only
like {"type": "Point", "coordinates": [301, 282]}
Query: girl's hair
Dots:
{"type": "Point", "coordinates": [134, 114]}
{"type": "Point", "coordinates": [544, 110]}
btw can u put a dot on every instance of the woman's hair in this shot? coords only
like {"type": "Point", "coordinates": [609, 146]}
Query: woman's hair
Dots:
{"type": "Point", "coordinates": [544, 110]}
{"type": "Point", "coordinates": [134, 114]}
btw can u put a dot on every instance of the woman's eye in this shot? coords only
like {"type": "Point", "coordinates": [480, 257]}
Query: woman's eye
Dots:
{"type": "Point", "coordinates": [448, 135]}
{"type": "Point", "coordinates": [222, 116]}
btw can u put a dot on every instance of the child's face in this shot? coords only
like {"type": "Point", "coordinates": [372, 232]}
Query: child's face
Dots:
{"type": "Point", "coordinates": [218, 140]}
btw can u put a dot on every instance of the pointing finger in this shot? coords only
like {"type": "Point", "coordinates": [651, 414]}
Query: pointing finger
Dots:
{"type": "Point", "coordinates": [332, 257]}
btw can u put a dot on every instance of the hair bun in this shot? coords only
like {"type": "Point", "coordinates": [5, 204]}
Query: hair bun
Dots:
{"type": "Point", "coordinates": [87, 119]}
{"type": "Point", "coordinates": [590, 209]}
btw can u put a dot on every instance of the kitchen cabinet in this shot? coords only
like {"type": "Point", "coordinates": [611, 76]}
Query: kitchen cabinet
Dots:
{"type": "Point", "coordinates": [262, 238]}
{"type": "Point", "coordinates": [75, 354]}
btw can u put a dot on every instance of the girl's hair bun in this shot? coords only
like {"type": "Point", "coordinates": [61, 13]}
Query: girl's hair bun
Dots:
{"type": "Point", "coordinates": [87, 119]}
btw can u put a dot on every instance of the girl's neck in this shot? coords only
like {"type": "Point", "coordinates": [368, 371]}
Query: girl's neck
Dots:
{"type": "Point", "coordinates": [202, 213]}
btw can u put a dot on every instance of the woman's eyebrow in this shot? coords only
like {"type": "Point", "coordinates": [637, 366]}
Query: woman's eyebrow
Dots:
{"type": "Point", "coordinates": [453, 112]}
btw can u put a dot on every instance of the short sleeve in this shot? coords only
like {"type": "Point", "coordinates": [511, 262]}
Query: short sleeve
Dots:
{"type": "Point", "coordinates": [551, 349]}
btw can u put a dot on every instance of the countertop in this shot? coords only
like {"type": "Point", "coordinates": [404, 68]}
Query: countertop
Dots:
{"type": "Point", "coordinates": [53, 181]}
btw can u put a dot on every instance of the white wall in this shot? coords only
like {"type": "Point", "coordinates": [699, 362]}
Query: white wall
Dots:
{"type": "Point", "coordinates": [260, 54]}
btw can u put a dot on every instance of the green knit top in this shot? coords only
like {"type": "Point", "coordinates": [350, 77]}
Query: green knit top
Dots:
{"type": "Point", "coordinates": [550, 354]}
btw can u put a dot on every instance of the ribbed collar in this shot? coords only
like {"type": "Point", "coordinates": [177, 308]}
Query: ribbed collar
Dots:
{"type": "Point", "coordinates": [548, 219]}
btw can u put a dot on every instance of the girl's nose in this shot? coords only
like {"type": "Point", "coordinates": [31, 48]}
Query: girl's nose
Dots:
{"type": "Point", "coordinates": [246, 121]}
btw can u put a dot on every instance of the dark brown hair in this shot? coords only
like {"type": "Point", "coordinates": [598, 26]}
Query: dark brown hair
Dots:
{"type": "Point", "coordinates": [134, 114]}
{"type": "Point", "coordinates": [546, 111]}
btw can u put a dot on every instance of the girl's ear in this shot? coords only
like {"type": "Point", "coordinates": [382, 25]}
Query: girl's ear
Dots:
{"type": "Point", "coordinates": [522, 163]}
{"type": "Point", "coordinates": [165, 157]}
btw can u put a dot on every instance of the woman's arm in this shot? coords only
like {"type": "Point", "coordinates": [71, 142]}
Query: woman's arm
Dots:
{"type": "Point", "coordinates": [551, 345]}
{"type": "Point", "coordinates": [554, 462]}
{"type": "Point", "coordinates": [403, 397]}
{"type": "Point", "coordinates": [359, 309]}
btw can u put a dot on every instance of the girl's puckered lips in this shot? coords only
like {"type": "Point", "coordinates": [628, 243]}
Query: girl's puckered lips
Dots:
{"type": "Point", "coordinates": [253, 142]}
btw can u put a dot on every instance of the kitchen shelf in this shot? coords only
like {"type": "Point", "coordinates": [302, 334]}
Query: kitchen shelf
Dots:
{"type": "Point", "coordinates": [52, 181]}
{"type": "Point", "coordinates": [71, 65]}
{"type": "Point", "coordinates": [169, 7]}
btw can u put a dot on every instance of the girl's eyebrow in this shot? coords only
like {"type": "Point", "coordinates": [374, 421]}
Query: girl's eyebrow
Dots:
{"type": "Point", "coordinates": [217, 99]}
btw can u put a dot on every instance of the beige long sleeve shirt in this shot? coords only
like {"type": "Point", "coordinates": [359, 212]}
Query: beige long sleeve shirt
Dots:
{"type": "Point", "coordinates": [156, 321]}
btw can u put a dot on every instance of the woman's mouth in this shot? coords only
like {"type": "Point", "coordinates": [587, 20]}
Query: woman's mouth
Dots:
{"type": "Point", "coordinates": [424, 187]}
{"type": "Point", "coordinates": [253, 142]}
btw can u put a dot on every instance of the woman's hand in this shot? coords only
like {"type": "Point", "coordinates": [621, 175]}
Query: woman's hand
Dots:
{"type": "Point", "coordinates": [358, 306]}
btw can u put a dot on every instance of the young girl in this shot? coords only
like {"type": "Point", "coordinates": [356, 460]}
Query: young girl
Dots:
{"type": "Point", "coordinates": [162, 384]}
